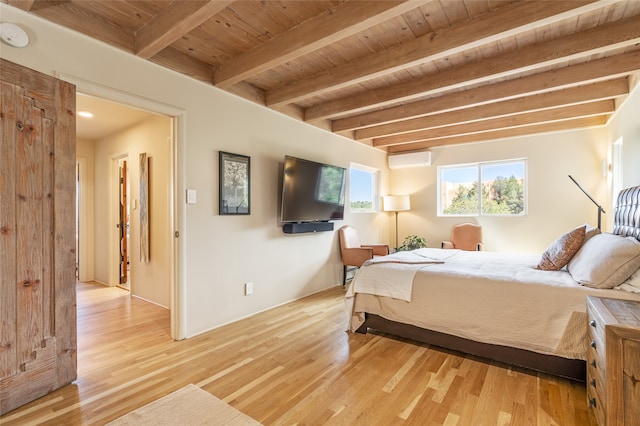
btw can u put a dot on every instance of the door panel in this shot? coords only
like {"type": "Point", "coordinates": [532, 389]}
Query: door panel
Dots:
{"type": "Point", "coordinates": [37, 235]}
{"type": "Point", "coordinates": [124, 224]}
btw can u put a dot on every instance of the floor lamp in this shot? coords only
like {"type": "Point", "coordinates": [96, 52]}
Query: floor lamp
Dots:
{"type": "Point", "coordinates": [396, 203]}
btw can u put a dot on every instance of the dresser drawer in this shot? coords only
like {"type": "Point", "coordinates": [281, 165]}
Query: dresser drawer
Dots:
{"type": "Point", "coordinates": [613, 364]}
{"type": "Point", "coordinates": [596, 404]}
{"type": "Point", "coordinates": [596, 371]}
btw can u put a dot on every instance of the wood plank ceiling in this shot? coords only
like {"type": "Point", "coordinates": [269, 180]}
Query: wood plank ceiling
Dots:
{"type": "Point", "coordinates": [398, 75]}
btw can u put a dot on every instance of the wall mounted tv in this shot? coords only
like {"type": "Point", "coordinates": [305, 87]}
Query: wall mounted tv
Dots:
{"type": "Point", "coordinates": [312, 192]}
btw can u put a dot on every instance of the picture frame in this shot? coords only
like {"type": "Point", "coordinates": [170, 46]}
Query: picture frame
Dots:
{"type": "Point", "coordinates": [235, 184]}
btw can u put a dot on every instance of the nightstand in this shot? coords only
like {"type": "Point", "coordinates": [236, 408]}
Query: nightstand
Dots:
{"type": "Point", "coordinates": [613, 360]}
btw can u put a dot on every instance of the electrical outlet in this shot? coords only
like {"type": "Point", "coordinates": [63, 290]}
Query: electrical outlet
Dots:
{"type": "Point", "coordinates": [248, 289]}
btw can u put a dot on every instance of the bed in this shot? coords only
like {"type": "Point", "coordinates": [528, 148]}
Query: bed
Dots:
{"type": "Point", "coordinates": [524, 310]}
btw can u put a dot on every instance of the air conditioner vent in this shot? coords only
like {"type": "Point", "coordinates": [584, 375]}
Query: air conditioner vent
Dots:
{"type": "Point", "coordinates": [410, 159]}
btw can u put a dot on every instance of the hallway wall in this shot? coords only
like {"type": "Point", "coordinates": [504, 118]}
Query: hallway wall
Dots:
{"type": "Point", "coordinates": [150, 281]}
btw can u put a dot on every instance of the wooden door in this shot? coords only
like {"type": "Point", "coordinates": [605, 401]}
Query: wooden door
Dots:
{"type": "Point", "coordinates": [37, 235]}
{"type": "Point", "coordinates": [124, 224]}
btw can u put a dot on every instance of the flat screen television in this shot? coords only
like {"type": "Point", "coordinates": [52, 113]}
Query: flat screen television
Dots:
{"type": "Point", "coordinates": [311, 191]}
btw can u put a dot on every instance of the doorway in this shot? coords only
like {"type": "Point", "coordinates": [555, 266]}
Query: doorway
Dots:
{"type": "Point", "coordinates": [124, 210]}
{"type": "Point", "coordinates": [108, 223]}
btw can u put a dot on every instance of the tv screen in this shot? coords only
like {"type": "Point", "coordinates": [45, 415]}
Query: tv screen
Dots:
{"type": "Point", "coordinates": [312, 192]}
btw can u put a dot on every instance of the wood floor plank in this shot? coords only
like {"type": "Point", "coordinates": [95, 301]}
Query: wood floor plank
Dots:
{"type": "Point", "coordinates": [294, 364]}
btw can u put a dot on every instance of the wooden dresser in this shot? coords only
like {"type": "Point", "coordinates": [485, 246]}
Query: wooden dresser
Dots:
{"type": "Point", "coordinates": [613, 360]}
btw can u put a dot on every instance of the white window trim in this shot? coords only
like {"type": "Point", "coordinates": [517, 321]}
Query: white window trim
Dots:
{"type": "Point", "coordinates": [479, 165]}
{"type": "Point", "coordinates": [376, 187]}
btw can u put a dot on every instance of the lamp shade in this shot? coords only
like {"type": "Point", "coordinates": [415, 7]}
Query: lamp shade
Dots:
{"type": "Point", "coordinates": [396, 203]}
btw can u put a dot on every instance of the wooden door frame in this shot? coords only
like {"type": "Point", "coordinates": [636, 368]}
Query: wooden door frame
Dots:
{"type": "Point", "coordinates": [177, 280]}
{"type": "Point", "coordinates": [113, 256]}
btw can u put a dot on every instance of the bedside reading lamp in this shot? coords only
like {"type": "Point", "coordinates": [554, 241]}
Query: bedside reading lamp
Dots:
{"type": "Point", "coordinates": [600, 209]}
{"type": "Point", "coordinates": [396, 203]}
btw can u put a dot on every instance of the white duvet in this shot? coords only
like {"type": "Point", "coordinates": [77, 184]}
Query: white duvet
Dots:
{"type": "Point", "coordinates": [489, 297]}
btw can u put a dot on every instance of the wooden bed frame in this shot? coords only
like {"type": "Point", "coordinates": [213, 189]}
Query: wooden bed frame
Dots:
{"type": "Point", "coordinates": [627, 223]}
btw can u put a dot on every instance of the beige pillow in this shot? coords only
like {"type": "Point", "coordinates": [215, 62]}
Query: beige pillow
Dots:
{"type": "Point", "coordinates": [560, 252]}
{"type": "Point", "coordinates": [605, 261]}
{"type": "Point", "coordinates": [589, 232]}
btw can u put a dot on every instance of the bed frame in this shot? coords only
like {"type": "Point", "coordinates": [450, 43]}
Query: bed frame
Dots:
{"type": "Point", "coordinates": [627, 223]}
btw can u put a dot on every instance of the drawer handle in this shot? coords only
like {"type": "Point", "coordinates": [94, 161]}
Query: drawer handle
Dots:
{"type": "Point", "coordinates": [592, 402]}
{"type": "Point", "coordinates": [592, 323]}
{"type": "Point", "coordinates": [593, 363]}
{"type": "Point", "coordinates": [593, 343]}
{"type": "Point", "coordinates": [592, 382]}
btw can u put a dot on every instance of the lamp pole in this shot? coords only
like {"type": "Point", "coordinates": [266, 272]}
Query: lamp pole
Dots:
{"type": "Point", "coordinates": [396, 203]}
{"type": "Point", "coordinates": [396, 212]}
{"type": "Point", "coordinates": [600, 209]}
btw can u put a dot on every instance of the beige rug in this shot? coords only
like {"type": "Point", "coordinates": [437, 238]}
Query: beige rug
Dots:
{"type": "Point", "coordinates": [187, 406]}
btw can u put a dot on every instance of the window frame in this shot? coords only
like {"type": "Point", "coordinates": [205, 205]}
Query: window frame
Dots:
{"type": "Point", "coordinates": [375, 187]}
{"type": "Point", "coordinates": [479, 165]}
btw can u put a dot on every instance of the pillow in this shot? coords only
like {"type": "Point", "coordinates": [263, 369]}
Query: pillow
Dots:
{"type": "Point", "coordinates": [589, 232]}
{"type": "Point", "coordinates": [605, 261]}
{"type": "Point", "coordinates": [634, 280]}
{"type": "Point", "coordinates": [560, 252]}
{"type": "Point", "coordinates": [632, 284]}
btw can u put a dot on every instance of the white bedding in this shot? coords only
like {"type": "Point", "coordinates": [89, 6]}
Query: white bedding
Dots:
{"type": "Point", "coordinates": [488, 297]}
{"type": "Point", "coordinates": [392, 275]}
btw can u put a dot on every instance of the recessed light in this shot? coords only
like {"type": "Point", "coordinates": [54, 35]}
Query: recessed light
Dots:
{"type": "Point", "coordinates": [85, 114]}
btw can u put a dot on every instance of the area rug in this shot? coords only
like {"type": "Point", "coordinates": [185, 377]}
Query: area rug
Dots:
{"type": "Point", "coordinates": [187, 406]}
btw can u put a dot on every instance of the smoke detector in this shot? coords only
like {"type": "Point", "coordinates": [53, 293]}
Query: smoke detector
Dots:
{"type": "Point", "coordinates": [13, 35]}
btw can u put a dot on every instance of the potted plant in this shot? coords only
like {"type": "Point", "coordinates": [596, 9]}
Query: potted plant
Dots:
{"type": "Point", "coordinates": [412, 242]}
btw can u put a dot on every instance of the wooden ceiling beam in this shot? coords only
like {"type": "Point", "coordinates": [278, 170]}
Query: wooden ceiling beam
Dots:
{"type": "Point", "coordinates": [65, 13]}
{"type": "Point", "coordinates": [178, 19]}
{"type": "Point", "coordinates": [575, 95]}
{"type": "Point", "coordinates": [345, 20]}
{"type": "Point", "coordinates": [558, 126]}
{"type": "Point", "coordinates": [518, 120]}
{"type": "Point", "coordinates": [25, 5]}
{"type": "Point", "coordinates": [174, 59]}
{"type": "Point", "coordinates": [504, 22]}
{"type": "Point", "coordinates": [596, 40]}
{"type": "Point", "coordinates": [584, 73]}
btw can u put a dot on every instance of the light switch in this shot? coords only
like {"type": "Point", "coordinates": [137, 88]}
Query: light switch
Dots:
{"type": "Point", "coordinates": [191, 196]}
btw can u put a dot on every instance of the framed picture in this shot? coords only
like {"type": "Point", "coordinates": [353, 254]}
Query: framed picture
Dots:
{"type": "Point", "coordinates": [234, 184]}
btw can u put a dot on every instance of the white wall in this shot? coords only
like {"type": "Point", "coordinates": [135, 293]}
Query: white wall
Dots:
{"type": "Point", "coordinates": [85, 156]}
{"type": "Point", "coordinates": [150, 280]}
{"type": "Point", "coordinates": [626, 125]}
{"type": "Point", "coordinates": [555, 204]}
{"type": "Point", "coordinates": [220, 252]}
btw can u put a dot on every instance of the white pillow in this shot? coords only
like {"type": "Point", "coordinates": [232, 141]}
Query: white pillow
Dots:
{"type": "Point", "coordinates": [590, 232]}
{"type": "Point", "coordinates": [632, 284]}
{"type": "Point", "coordinates": [605, 261]}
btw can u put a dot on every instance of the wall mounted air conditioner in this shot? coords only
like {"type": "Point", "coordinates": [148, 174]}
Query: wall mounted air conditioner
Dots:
{"type": "Point", "coordinates": [410, 159]}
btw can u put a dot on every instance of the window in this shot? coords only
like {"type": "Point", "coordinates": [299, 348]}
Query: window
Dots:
{"type": "Point", "coordinates": [502, 189]}
{"type": "Point", "coordinates": [364, 189]}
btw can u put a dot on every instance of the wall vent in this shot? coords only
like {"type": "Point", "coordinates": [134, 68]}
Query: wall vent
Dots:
{"type": "Point", "coordinates": [410, 159]}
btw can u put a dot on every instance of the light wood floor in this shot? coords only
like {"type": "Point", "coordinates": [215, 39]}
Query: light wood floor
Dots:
{"type": "Point", "coordinates": [294, 364]}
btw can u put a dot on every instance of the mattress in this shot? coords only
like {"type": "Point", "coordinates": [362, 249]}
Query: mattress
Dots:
{"type": "Point", "coordinates": [493, 298]}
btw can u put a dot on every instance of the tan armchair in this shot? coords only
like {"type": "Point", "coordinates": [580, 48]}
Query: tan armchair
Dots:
{"type": "Point", "coordinates": [355, 254]}
{"type": "Point", "coordinates": [466, 236]}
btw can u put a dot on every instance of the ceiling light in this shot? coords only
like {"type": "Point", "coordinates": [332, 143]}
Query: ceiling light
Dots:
{"type": "Point", "coordinates": [13, 35]}
{"type": "Point", "coordinates": [85, 114]}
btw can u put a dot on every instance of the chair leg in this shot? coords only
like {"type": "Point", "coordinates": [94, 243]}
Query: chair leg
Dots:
{"type": "Point", "coordinates": [344, 275]}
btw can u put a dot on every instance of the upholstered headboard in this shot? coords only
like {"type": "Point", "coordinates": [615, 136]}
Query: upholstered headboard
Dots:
{"type": "Point", "coordinates": [627, 214]}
